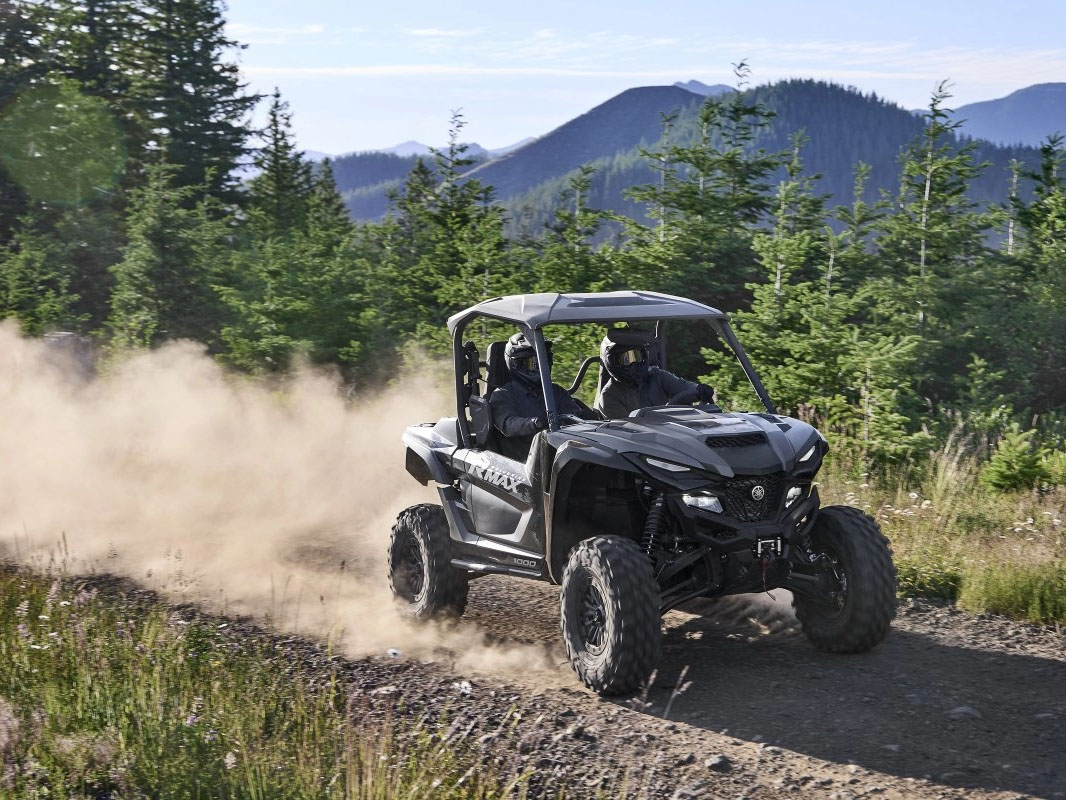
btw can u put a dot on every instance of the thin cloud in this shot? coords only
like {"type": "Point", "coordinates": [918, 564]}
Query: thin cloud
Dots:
{"type": "Point", "coordinates": [443, 33]}
{"type": "Point", "coordinates": [241, 28]}
{"type": "Point", "coordinates": [607, 55]}
{"type": "Point", "coordinates": [458, 70]}
{"type": "Point", "coordinates": [271, 34]}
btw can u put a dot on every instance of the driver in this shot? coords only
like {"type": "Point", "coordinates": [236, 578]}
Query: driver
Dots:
{"type": "Point", "coordinates": [518, 406]}
{"type": "Point", "coordinates": [634, 383]}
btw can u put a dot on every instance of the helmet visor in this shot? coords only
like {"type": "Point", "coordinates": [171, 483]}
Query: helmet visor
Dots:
{"type": "Point", "coordinates": [526, 363]}
{"type": "Point", "coordinates": [634, 355]}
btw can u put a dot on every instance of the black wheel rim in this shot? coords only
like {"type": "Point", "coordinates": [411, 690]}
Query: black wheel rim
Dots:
{"type": "Point", "coordinates": [410, 569]}
{"type": "Point", "coordinates": [593, 620]}
{"type": "Point", "coordinates": [835, 602]}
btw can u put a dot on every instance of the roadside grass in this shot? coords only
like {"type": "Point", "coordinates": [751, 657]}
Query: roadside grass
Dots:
{"type": "Point", "coordinates": [103, 697]}
{"type": "Point", "coordinates": [954, 538]}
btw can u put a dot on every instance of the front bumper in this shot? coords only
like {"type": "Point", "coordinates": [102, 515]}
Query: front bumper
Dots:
{"type": "Point", "coordinates": [727, 535]}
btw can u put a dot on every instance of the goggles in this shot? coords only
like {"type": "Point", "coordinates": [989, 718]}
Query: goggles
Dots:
{"type": "Point", "coordinates": [626, 358]}
{"type": "Point", "coordinates": [526, 363]}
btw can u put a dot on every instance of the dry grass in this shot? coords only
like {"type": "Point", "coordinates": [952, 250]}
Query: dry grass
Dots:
{"type": "Point", "coordinates": [955, 538]}
{"type": "Point", "coordinates": [101, 698]}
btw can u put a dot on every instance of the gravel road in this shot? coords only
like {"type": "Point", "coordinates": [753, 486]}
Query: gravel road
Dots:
{"type": "Point", "coordinates": [951, 705]}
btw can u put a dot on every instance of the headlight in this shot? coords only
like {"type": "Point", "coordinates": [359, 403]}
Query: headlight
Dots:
{"type": "Point", "coordinates": [669, 466]}
{"type": "Point", "coordinates": [794, 494]}
{"type": "Point", "coordinates": [806, 456]}
{"type": "Point", "coordinates": [708, 502]}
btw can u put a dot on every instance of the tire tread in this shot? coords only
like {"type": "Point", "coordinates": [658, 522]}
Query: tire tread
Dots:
{"type": "Point", "coordinates": [874, 607]}
{"type": "Point", "coordinates": [447, 588]}
{"type": "Point", "coordinates": [634, 595]}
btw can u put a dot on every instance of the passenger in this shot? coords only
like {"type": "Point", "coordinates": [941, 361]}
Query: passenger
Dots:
{"type": "Point", "coordinates": [634, 383]}
{"type": "Point", "coordinates": [518, 410]}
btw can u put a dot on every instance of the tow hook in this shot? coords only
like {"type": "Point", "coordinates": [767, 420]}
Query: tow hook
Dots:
{"type": "Point", "coordinates": [768, 551]}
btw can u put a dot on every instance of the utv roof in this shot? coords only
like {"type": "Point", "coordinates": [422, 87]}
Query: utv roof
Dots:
{"type": "Point", "coordinates": [535, 310]}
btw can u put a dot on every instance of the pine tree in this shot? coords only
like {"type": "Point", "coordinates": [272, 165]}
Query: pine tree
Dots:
{"type": "Point", "coordinates": [803, 333]}
{"type": "Point", "coordinates": [934, 249]}
{"type": "Point", "coordinates": [174, 254]}
{"type": "Point", "coordinates": [193, 93]}
{"type": "Point", "coordinates": [329, 224]}
{"type": "Point", "coordinates": [1035, 359]}
{"type": "Point", "coordinates": [35, 280]}
{"type": "Point", "coordinates": [67, 155]}
{"type": "Point", "coordinates": [567, 260]}
{"type": "Point", "coordinates": [279, 194]}
{"type": "Point", "coordinates": [710, 197]}
{"type": "Point", "coordinates": [21, 65]}
{"type": "Point", "coordinates": [1017, 463]}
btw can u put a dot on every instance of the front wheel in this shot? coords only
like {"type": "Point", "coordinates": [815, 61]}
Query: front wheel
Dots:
{"type": "Point", "coordinates": [420, 572]}
{"type": "Point", "coordinates": [856, 616]}
{"type": "Point", "coordinates": [610, 614]}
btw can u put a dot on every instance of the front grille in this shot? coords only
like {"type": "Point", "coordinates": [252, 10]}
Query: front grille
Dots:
{"type": "Point", "coordinates": [737, 440]}
{"type": "Point", "coordinates": [743, 506]}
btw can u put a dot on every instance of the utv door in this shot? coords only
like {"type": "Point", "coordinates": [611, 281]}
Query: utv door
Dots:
{"type": "Point", "coordinates": [504, 503]}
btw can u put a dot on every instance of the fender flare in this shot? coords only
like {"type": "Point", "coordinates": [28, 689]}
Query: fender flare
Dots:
{"type": "Point", "coordinates": [570, 455]}
{"type": "Point", "coordinates": [424, 466]}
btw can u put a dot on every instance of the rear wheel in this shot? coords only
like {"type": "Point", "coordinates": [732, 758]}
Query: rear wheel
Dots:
{"type": "Point", "coordinates": [420, 572]}
{"type": "Point", "coordinates": [610, 614]}
{"type": "Point", "coordinates": [857, 616]}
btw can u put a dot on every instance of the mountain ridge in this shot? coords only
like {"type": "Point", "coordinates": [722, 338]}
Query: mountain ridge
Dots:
{"type": "Point", "coordinates": [1025, 116]}
{"type": "Point", "coordinates": [844, 126]}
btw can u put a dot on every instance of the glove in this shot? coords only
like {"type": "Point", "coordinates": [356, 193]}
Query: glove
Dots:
{"type": "Point", "coordinates": [541, 422]}
{"type": "Point", "coordinates": [706, 393]}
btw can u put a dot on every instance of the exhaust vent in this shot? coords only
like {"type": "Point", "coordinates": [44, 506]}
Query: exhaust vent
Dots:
{"type": "Point", "coordinates": [737, 440]}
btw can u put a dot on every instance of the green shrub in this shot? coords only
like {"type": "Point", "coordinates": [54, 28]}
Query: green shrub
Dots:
{"type": "Point", "coordinates": [1016, 463]}
{"type": "Point", "coordinates": [1034, 592]}
{"type": "Point", "coordinates": [928, 576]}
{"type": "Point", "coordinates": [1056, 467]}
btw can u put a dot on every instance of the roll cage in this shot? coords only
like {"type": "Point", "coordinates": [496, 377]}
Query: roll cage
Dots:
{"type": "Point", "coordinates": [531, 312]}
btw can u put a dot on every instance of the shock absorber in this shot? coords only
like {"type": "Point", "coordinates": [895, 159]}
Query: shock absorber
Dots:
{"type": "Point", "coordinates": [652, 525]}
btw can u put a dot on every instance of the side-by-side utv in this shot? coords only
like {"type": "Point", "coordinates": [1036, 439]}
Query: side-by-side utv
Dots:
{"type": "Point", "coordinates": [632, 516]}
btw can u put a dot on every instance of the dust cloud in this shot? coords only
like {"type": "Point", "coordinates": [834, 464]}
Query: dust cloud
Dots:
{"type": "Point", "coordinates": [246, 498]}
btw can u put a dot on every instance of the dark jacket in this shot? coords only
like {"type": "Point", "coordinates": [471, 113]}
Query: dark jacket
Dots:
{"type": "Point", "coordinates": [518, 413]}
{"type": "Point", "coordinates": [617, 400]}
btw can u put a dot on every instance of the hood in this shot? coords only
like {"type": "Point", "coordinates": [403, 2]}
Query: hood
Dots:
{"type": "Point", "coordinates": [725, 444]}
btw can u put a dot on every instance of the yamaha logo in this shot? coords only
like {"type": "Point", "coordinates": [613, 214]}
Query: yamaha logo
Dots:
{"type": "Point", "coordinates": [758, 493]}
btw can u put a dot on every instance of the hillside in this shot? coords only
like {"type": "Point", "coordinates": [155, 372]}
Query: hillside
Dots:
{"type": "Point", "coordinates": [623, 123]}
{"type": "Point", "coordinates": [844, 126]}
{"type": "Point", "coordinates": [1026, 116]}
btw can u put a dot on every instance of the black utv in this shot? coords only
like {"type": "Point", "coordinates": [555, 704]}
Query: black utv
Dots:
{"type": "Point", "coordinates": [632, 516]}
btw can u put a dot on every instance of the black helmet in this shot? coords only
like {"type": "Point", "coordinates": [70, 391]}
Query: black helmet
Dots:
{"type": "Point", "coordinates": [625, 354]}
{"type": "Point", "coordinates": [521, 359]}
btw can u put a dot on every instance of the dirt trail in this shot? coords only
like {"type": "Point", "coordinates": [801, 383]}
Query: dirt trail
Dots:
{"type": "Point", "coordinates": [949, 702]}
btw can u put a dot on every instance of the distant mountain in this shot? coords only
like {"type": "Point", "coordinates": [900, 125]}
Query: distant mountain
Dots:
{"type": "Point", "coordinates": [365, 179]}
{"type": "Point", "coordinates": [626, 121]}
{"type": "Point", "coordinates": [1026, 116]}
{"type": "Point", "coordinates": [844, 127]}
{"type": "Point", "coordinates": [696, 87]}
{"type": "Point", "coordinates": [408, 148]}
{"type": "Point", "coordinates": [474, 150]}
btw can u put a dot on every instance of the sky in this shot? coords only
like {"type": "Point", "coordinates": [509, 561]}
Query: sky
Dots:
{"type": "Point", "coordinates": [361, 76]}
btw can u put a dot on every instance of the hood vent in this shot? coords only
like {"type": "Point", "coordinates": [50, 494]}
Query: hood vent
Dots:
{"type": "Point", "coordinates": [737, 440]}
